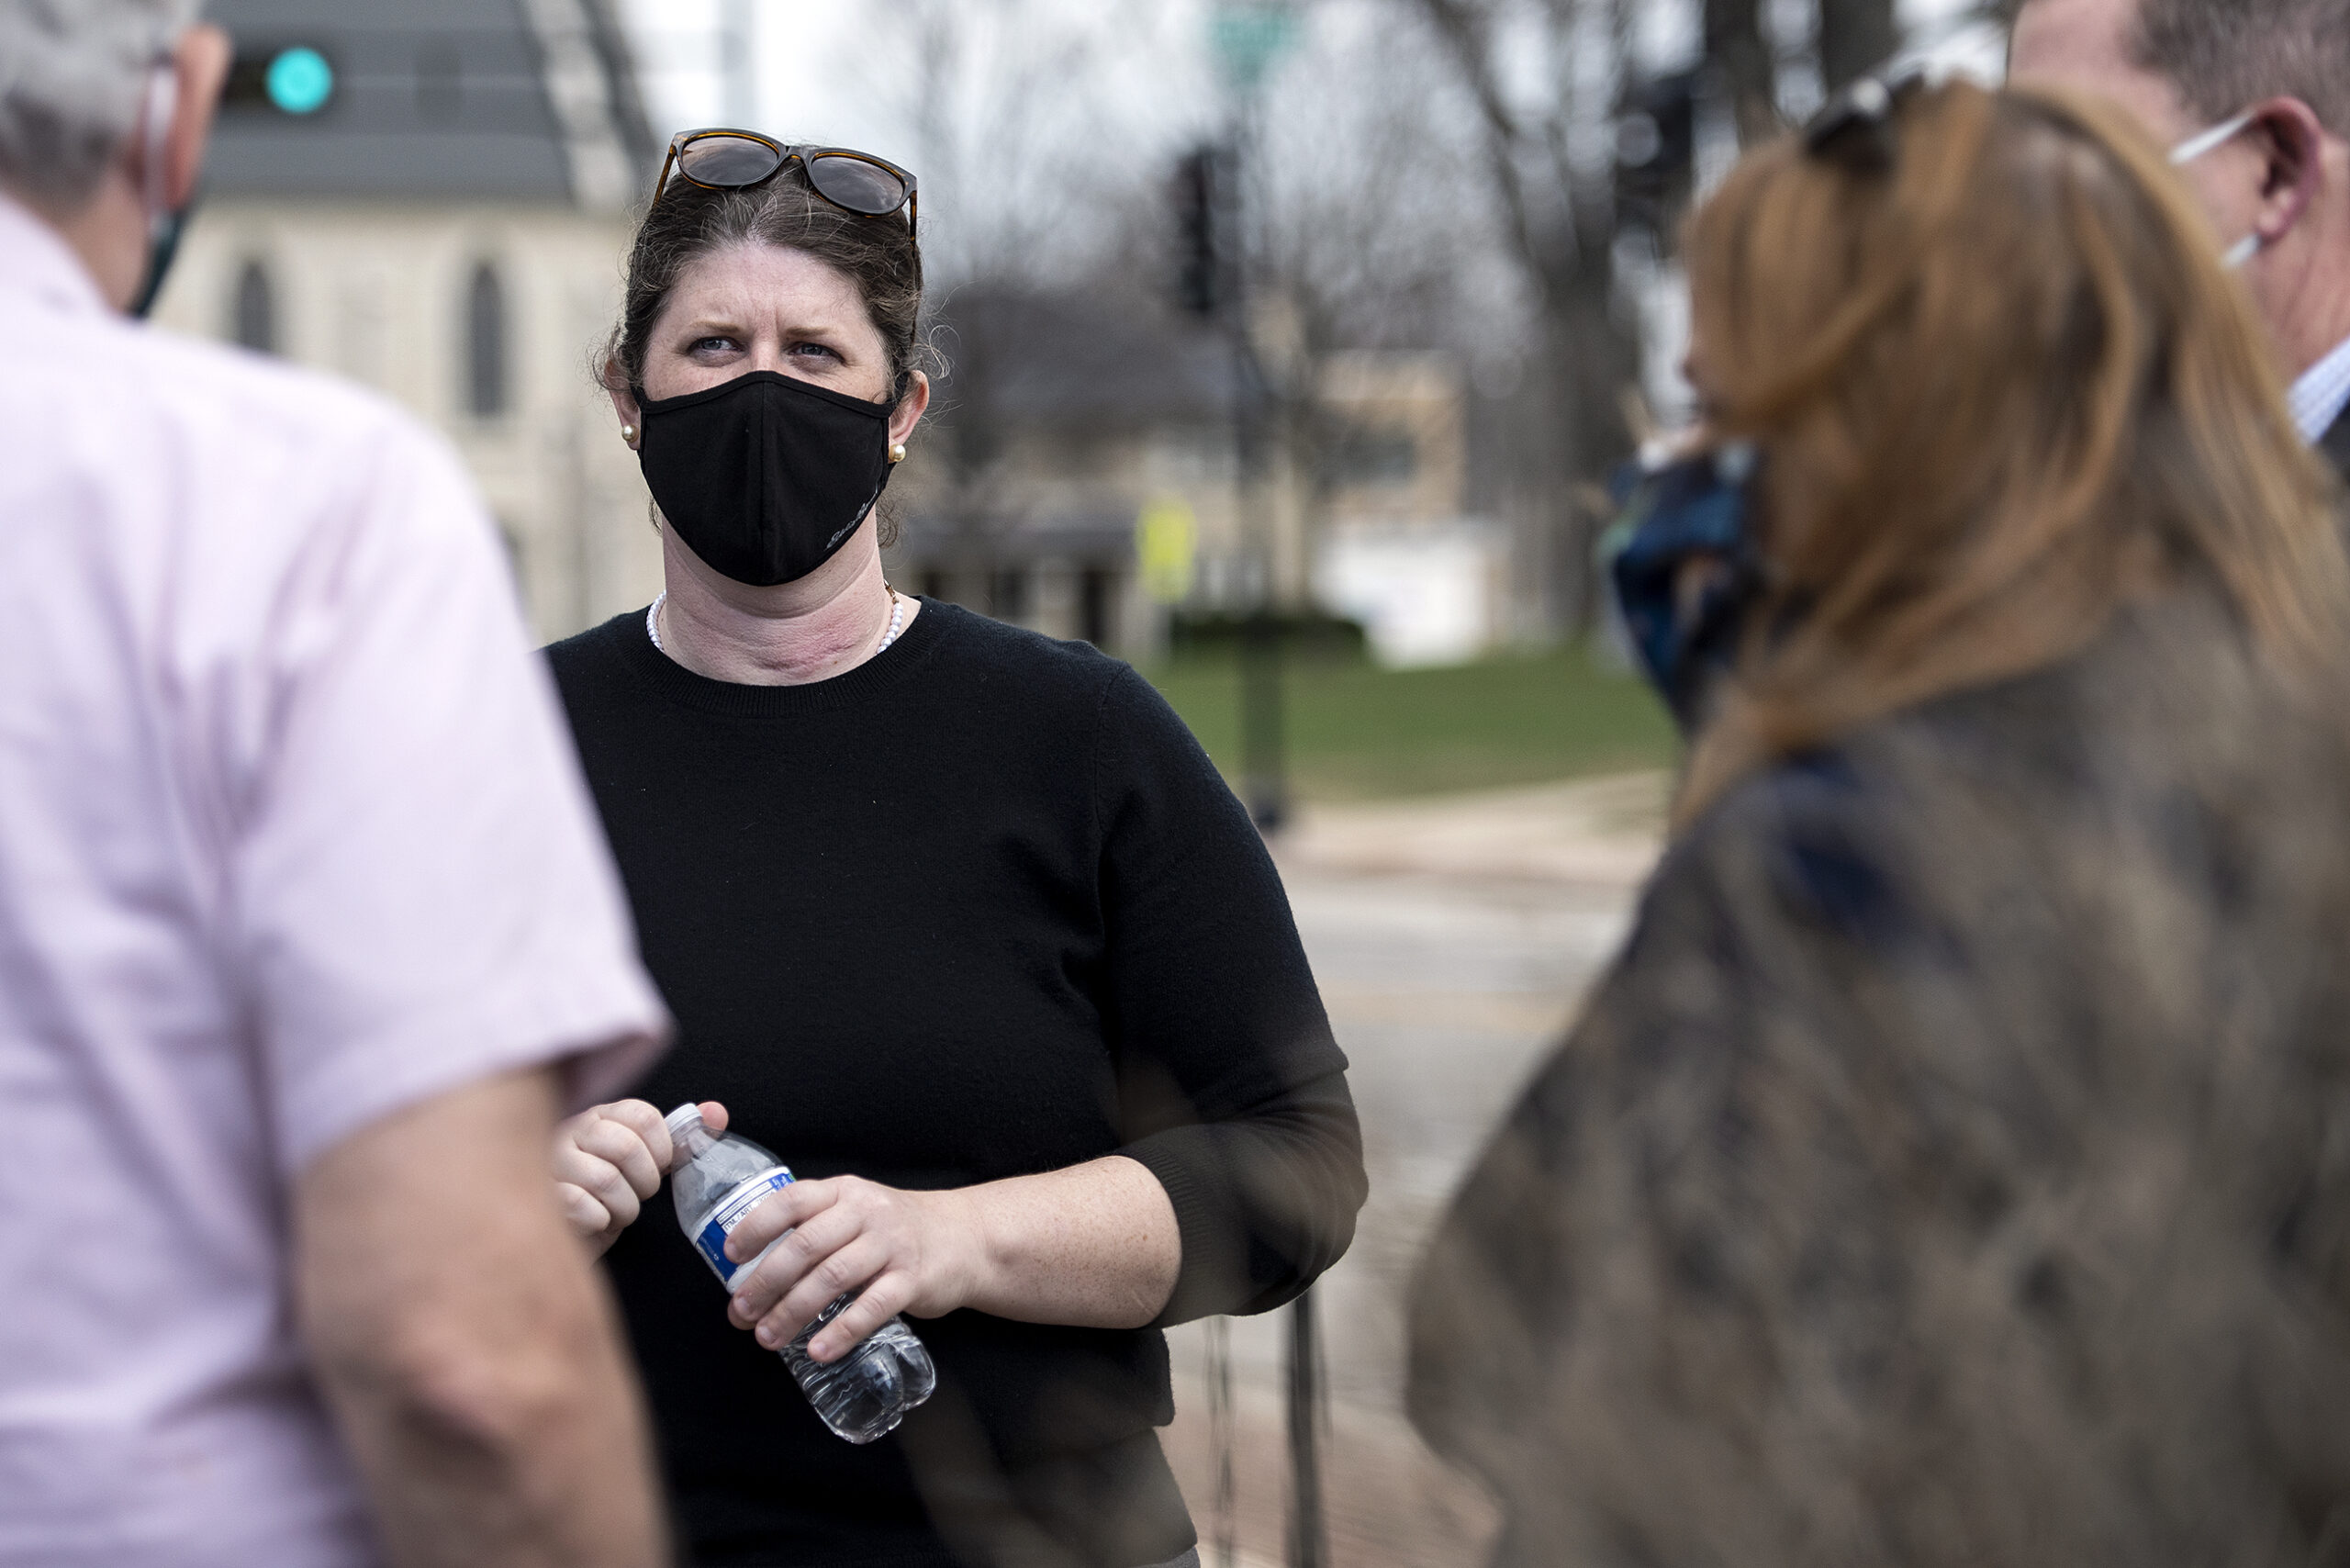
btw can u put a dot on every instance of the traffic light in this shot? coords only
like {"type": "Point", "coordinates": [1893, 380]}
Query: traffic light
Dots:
{"type": "Point", "coordinates": [297, 81]}
{"type": "Point", "coordinates": [1656, 144]}
{"type": "Point", "coordinates": [1200, 224]}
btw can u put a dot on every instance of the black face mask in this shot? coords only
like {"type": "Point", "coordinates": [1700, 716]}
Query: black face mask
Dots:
{"type": "Point", "coordinates": [162, 249]}
{"type": "Point", "coordinates": [763, 477]}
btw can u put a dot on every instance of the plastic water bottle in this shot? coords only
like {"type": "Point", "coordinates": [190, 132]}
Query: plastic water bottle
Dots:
{"type": "Point", "coordinates": [717, 1180]}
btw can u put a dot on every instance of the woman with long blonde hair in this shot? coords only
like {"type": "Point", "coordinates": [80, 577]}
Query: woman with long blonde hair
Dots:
{"type": "Point", "coordinates": [1955, 1165]}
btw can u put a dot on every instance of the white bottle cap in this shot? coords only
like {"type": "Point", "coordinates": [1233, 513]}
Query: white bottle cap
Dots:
{"type": "Point", "coordinates": [684, 1116]}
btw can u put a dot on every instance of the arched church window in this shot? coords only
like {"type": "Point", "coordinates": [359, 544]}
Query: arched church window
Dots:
{"type": "Point", "coordinates": [253, 311]}
{"type": "Point", "coordinates": [486, 348]}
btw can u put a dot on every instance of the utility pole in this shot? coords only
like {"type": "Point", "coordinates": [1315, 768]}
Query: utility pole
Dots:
{"type": "Point", "coordinates": [1208, 257]}
{"type": "Point", "coordinates": [738, 64]}
{"type": "Point", "coordinates": [1309, 1538]}
{"type": "Point", "coordinates": [1250, 36]}
{"type": "Point", "coordinates": [1264, 774]}
{"type": "Point", "coordinates": [1211, 283]}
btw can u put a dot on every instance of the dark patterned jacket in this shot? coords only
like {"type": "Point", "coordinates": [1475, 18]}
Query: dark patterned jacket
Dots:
{"type": "Point", "coordinates": [1954, 1167]}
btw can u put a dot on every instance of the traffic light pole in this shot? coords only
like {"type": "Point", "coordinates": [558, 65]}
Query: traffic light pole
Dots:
{"type": "Point", "coordinates": [1263, 773]}
{"type": "Point", "coordinates": [1248, 35]}
{"type": "Point", "coordinates": [1309, 1541]}
{"type": "Point", "coordinates": [1212, 280]}
{"type": "Point", "coordinates": [1265, 788]}
{"type": "Point", "coordinates": [737, 67]}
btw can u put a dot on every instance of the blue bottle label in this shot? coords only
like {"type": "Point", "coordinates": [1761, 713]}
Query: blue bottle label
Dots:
{"type": "Point", "coordinates": [711, 1238]}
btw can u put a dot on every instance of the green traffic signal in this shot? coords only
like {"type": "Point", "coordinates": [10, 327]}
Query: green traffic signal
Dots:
{"type": "Point", "coordinates": [300, 80]}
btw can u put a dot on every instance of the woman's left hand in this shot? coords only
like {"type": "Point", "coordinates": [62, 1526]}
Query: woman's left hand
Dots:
{"type": "Point", "coordinates": [907, 1251]}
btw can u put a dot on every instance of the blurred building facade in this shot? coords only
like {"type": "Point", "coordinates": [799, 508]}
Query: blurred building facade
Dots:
{"type": "Point", "coordinates": [1061, 419]}
{"type": "Point", "coordinates": [433, 197]}
{"type": "Point", "coordinates": [1071, 426]}
{"type": "Point", "coordinates": [1397, 549]}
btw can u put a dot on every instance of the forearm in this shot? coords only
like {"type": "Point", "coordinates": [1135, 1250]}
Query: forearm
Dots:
{"type": "Point", "coordinates": [1265, 1202]}
{"type": "Point", "coordinates": [1094, 1246]}
{"type": "Point", "coordinates": [466, 1346]}
{"type": "Point", "coordinates": [515, 1464]}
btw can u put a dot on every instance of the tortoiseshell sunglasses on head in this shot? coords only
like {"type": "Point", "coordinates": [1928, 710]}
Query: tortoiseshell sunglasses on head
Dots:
{"type": "Point", "coordinates": [724, 160]}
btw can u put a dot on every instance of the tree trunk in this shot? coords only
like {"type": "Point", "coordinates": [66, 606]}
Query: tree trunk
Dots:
{"type": "Point", "coordinates": [1740, 59]}
{"type": "Point", "coordinates": [1592, 359]}
{"type": "Point", "coordinates": [1569, 430]}
{"type": "Point", "coordinates": [1856, 37]}
{"type": "Point", "coordinates": [1588, 357]}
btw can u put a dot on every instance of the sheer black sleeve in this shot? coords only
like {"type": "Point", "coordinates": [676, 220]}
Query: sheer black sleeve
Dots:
{"type": "Point", "coordinates": [1232, 1091]}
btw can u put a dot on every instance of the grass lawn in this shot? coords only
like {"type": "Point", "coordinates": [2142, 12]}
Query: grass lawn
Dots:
{"type": "Point", "coordinates": [1355, 732]}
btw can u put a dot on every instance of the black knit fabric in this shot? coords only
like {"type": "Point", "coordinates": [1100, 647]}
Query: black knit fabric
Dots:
{"type": "Point", "coordinates": [979, 908]}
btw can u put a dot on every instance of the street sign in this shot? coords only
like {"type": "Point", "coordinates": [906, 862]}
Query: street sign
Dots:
{"type": "Point", "coordinates": [1166, 538]}
{"type": "Point", "coordinates": [1250, 37]}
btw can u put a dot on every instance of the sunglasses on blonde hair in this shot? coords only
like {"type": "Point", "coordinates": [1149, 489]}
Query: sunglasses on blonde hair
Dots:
{"type": "Point", "coordinates": [725, 160]}
{"type": "Point", "coordinates": [1854, 128]}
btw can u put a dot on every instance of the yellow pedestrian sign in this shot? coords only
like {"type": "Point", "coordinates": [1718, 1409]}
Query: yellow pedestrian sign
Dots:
{"type": "Point", "coordinates": [1166, 535]}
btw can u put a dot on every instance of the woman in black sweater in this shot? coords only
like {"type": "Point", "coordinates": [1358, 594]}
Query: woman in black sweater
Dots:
{"type": "Point", "coordinates": [957, 920]}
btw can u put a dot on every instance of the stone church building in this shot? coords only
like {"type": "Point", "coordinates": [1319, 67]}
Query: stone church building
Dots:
{"type": "Point", "coordinates": [433, 197]}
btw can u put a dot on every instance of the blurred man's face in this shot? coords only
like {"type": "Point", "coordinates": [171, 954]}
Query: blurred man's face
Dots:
{"type": "Point", "coordinates": [2085, 45]}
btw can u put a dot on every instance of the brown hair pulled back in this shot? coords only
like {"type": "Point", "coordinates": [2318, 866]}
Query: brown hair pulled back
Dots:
{"type": "Point", "coordinates": [688, 222]}
{"type": "Point", "coordinates": [2002, 389]}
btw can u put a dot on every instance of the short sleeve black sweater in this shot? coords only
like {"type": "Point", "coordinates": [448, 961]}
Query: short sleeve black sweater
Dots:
{"type": "Point", "coordinates": [979, 908]}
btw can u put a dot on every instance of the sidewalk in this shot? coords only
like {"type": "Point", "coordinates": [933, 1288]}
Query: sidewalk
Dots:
{"type": "Point", "coordinates": [1388, 1502]}
{"type": "Point", "coordinates": [1596, 831]}
{"type": "Point", "coordinates": [1453, 939]}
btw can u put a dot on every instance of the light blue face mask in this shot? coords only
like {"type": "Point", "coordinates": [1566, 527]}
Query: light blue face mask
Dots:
{"type": "Point", "coordinates": [2204, 142]}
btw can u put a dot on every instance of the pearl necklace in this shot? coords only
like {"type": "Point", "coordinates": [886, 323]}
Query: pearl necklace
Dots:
{"type": "Point", "coordinates": [897, 621]}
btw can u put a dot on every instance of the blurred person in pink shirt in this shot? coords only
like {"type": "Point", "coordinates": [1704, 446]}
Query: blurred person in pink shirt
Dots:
{"type": "Point", "coordinates": [307, 931]}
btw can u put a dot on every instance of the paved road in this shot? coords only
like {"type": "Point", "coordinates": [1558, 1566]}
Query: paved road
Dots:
{"type": "Point", "coordinates": [1453, 942]}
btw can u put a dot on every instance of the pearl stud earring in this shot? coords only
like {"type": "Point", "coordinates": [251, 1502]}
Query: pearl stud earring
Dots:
{"type": "Point", "coordinates": [628, 435]}
{"type": "Point", "coordinates": [898, 452]}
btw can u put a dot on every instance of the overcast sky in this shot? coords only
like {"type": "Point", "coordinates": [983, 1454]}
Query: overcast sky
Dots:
{"type": "Point", "coordinates": [817, 66]}
{"type": "Point", "coordinates": [815, 70]}
{"type": "Point", "coordinates": [799, 42]}
{"type": "Point", "coordinates": [841, 72]}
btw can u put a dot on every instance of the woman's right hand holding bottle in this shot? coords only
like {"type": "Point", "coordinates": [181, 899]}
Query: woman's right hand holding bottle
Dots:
{"type": "Point", "coordinates": [609, 1160]}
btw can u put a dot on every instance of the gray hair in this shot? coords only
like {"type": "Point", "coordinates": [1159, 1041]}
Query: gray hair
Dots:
{"type": "Point", "coordinates": [2223, 55]}
{"type": "Point", "coordinates": [72, 74]}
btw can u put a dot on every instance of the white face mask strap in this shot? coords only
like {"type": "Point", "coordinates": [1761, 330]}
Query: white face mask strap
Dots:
{"type": "Point", "coordinates": [2195, 146]}
{"type": "Point", "coordinates": [2204, 142]}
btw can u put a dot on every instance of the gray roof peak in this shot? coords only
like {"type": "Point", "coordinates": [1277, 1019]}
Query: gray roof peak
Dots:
{"type": "Point", "coordinates": [491, 100]}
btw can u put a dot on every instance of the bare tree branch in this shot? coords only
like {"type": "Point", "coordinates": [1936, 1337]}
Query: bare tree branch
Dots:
{"type": "Point", "coordinates": [1563, 235]}
{"type": "Point", "coordinates": [1465, 31]}
{"type": "Point", "coordinates": [1740, 58]}
{"type": "Point", "coordinates": [1855, 36]}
